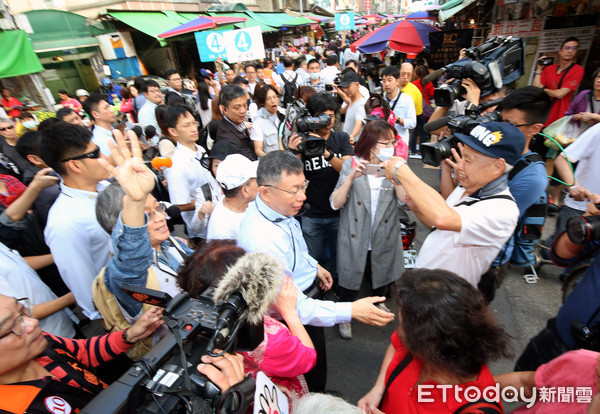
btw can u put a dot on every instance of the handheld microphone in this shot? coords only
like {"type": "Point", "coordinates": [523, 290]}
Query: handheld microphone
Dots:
{"type": "Point", "coordinates": [138, 131]}
{"type": "Point", "coordinates": [150, 131]}
{"type": "Point", "coordinates": [161, 163]}
{"type": "Point", "coordinates": [433, 76]}
{"type": "Point", "coordinates": [433, 125]}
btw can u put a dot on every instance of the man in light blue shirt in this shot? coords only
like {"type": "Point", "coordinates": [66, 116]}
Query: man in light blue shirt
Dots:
{"type": "Point", "coordinates": [103, 116]}
{"type": "Point", "coordinates": [147, 114]}
{"type": "Point", "coordinates": [270, 227]}
{"type": "Point", "coordinates": [78, 244]}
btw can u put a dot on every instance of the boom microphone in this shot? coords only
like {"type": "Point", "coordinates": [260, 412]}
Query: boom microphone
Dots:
{"type": "Point", "coordinates": [257, 276]}
{"type": "Point", "coordinates": [433, 76]}
{"type": "Point", "coordinates": [431, 125]}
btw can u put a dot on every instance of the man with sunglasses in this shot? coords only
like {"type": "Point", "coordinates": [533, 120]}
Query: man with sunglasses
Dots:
{"type": "Point", "coordinates": [560, 80]}
{"type": "Point", "coordinates": [11, 163]}
{"type": "Point", "coordinates": [79, 245]}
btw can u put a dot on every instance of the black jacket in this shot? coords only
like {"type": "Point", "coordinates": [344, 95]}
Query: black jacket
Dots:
{"type": "Point", "coordinates": [239, 139]}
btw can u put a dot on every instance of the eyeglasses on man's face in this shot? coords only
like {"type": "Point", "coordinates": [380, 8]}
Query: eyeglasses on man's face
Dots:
{"type": "Point", "coordinates": [160, 209]}
{"type": "Point", "coordinates": [19, 325]}
{"type": "Point", "coordinates": [290, 192]}
{"type": "Point", "coordinates": [570, 47]}
{"type": "Point", "coordinates": [95, 154]}
{"type": "Point", "coordinates": [6, 127]}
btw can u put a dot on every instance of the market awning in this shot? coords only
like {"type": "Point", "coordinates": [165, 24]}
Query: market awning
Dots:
{"type": "Point", "coordinates": [150, 23]}
{"type": "Point", "coordinates": [18, 58]}
{"type": "Point", "coordinates": [250, 22]}
{"type": "Point", "coordinates": [452, 7]}
{"type": "Point", "coordinates": [280, 19]}
{"type": "Point", "coordinates": [57, 30]}
{"type": "Point", "coordinates": [201, 23]}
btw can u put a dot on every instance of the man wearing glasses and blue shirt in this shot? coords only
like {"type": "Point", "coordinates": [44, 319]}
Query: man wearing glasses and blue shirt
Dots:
{"type": "Point", "coordinates": [270, 227]}
{"type": "Point", "coordinates": [77, 242]}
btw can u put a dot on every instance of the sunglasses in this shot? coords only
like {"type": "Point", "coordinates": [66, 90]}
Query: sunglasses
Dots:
{"type": "Point", "coordinates": [93, 155]}
{"type": "Point", "coordinates": [8, 127]}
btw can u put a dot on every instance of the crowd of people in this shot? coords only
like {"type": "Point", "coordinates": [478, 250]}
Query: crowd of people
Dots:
{"type": "Point", "coordinates": [194, 190]}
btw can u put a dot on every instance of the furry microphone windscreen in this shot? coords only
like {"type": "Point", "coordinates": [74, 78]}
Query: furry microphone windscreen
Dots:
{"type": "Point", "coordinates": [258, 277]}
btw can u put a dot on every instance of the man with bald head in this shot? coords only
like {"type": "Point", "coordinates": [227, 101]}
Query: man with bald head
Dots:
{"type": "Point", "coordinates": [406, 71]}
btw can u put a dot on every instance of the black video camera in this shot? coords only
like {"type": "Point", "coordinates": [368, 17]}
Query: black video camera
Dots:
{"type": "Point", "coordinates": [434, 153]}
{"type": "Point", "coordinates": [497, 62]}
{"type": "Point", "coordinates": [337, 80]}
{"type": "Point", "coordinates": [165, 380]}
{"type": "Point", "coordinates": [298, 120]}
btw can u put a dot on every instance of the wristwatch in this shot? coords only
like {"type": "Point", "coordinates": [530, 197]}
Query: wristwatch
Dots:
{"type": "Point", "coordinates": [396, 166]}
{"type": "Point", "coordinates": [331, 155]}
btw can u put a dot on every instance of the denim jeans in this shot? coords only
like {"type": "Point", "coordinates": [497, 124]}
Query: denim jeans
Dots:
{"type": "Point", "coordinates": [320, 235]}
{"type": "Point", "coordinates": [418, 136]}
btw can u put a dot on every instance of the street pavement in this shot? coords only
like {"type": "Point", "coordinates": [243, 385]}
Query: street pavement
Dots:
{"type": "Point", "coordinates": [522, 308]}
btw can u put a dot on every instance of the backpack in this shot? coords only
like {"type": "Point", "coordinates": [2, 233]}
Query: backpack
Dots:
{"type": "Point", "coordinates": [290, 87]}
{"type": "Point", "coordinates": [190, 104]}
{"type": "Point", "coordinates": [530, 226]}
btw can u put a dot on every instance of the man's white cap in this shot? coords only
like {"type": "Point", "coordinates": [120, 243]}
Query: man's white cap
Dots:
{"type": "Point", "coordinates": [235, 170]}
{"type": "Point", "coordinates": [81, 92]}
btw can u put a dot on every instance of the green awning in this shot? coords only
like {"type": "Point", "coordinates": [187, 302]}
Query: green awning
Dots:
{"type": "Point", "coordinates": [452, 7]}
{"type": "Point", "coordinates": [150, 23]}
{"type": "Point", "coordinates": [56, 30]}
{"type": "Point", "coordinates": [280, 19]}
{"type": "Point", "coordinates": [251, 22]}
{"type": "Point", "coordinates": [18, 58]}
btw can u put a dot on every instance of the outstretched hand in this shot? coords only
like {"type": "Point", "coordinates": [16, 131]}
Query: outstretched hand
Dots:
{"type": "Point", "coordinates": [135, 177]}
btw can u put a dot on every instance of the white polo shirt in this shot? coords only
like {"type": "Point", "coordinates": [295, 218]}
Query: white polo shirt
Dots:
{"type": "Point", "coordinates": [486, 226]}
{"type": "Point", "coordinates": [185, 177]}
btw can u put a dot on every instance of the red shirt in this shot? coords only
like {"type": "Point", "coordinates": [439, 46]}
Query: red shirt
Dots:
{"type": "Point", "coordinates": [550, 79]}
{"type": "Point", "coordinates": [427, 92]}
{"type": "Point", "coordinates": [403, 397]}
{"type": "Point", "coordinates": [9, 103]}
{"type": "Point", "coordinates": [14, 189]}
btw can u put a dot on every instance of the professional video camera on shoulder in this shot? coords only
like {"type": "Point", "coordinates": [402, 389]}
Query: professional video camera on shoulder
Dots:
{"type": "Point", "coordinates": [298, 120]}
{"type": "Point", "coordinates": [433, 153]}
{"type": "Point", "coordinates": [497, 62]}
{"type": "Point", "coordinates": [166, 380]}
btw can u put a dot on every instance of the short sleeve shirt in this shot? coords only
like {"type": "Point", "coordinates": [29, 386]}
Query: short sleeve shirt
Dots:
{"type": "Point", "coordinates": [356, 111]}
{"type": "Point", "coordinates": [551, 80]}
{"type": "Point", "coordinates": [323, 177]}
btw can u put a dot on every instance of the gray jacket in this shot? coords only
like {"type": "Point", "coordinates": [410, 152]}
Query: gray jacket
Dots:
{"type": "Point", "coordinates": [387, 260]}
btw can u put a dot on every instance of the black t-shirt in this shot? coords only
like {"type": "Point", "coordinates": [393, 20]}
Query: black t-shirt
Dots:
{"type": "Point", "coordinates": [323, 177]}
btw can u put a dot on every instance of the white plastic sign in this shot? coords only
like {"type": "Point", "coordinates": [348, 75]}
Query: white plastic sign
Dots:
{"type": "Point", "coordinates": [244, 44]}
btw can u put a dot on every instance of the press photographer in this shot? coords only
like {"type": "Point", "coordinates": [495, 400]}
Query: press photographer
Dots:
{"type": "Point", "coordinates": [320, 223]}
{"type": "Point", "coordinates": [527, 109]}
{"type": "Point", "coordinates": [479, 216]}
{"type": "Point", "coordinates": [481, 76]}
{"type": "Point", "coordinates": [577, 324]}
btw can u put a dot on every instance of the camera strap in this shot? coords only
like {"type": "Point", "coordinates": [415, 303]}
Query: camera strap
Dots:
{"type": "Point", "coordinates": [563, 75]}
{"type": "Point", "coordinates": [395, 100]}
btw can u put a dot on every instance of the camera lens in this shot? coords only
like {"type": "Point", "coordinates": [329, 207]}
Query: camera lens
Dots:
{"type": "Point", "coordinates": [582, 229]}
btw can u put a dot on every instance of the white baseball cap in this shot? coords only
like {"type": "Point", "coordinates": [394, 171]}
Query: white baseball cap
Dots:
{"type": "Point", "coordinates": [235, 170]}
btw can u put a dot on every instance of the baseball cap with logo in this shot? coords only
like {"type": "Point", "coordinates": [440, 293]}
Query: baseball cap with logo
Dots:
{"type": "Point", "coordinates": [496, 140]}
{"type": "Point", "coordinates": [235, 170]}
